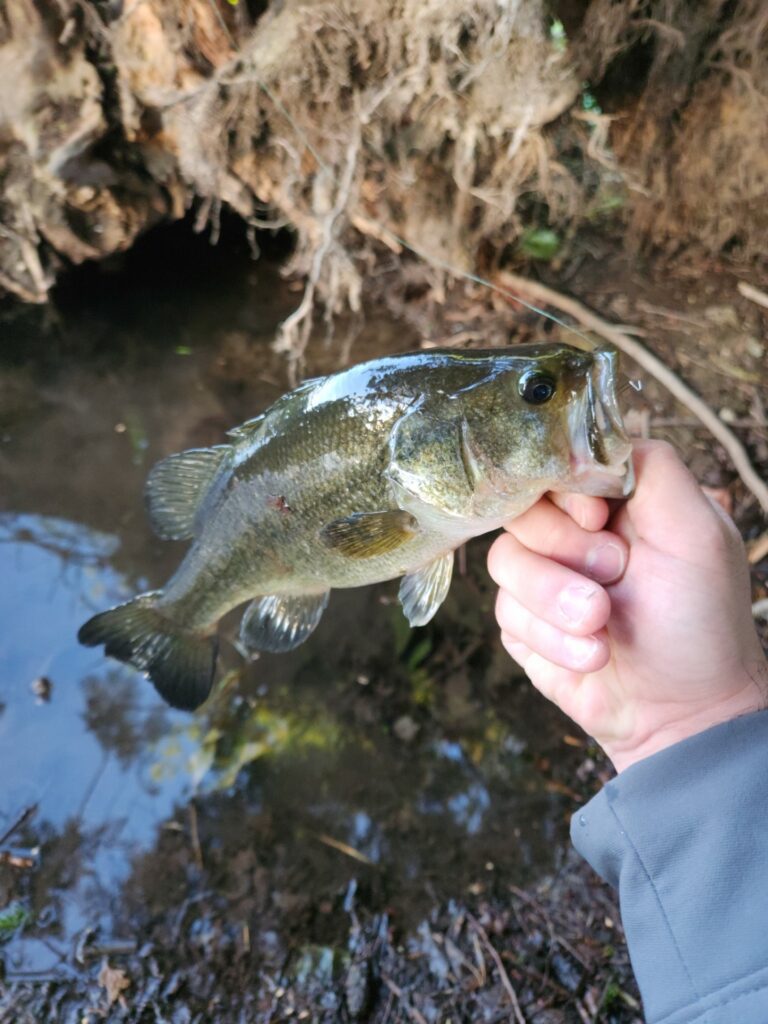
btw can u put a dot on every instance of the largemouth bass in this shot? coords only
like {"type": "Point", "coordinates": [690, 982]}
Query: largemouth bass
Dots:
{"type": "Point", "coordinates": [373, 473]}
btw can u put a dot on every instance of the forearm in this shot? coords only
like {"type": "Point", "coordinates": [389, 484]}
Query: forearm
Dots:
{"type": "Point", "coordinates": [684, 836]}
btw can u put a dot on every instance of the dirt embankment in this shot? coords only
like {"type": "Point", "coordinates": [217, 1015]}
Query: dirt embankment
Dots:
{"type": "Point", "coordinates": [456, 126]}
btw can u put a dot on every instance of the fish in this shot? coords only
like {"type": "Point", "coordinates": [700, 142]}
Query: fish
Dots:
{"type": "Point", "coordinates": [376, 472]}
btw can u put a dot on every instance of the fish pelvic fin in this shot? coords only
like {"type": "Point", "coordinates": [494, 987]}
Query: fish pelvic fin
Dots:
{"type": "Point", "coordinates": [278, 623]}
{"type": "Point", "coordinates": [422, 592]}
{"type": "Point", "coordinates": [176, 487]}
{"type": "Point", "coordinates": [180, 663]}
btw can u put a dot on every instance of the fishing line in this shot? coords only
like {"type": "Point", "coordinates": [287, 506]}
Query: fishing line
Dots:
{"type": "Point", "coordinates": [434, 261]}
{"type": "Point", "coordinates": [469, 276]}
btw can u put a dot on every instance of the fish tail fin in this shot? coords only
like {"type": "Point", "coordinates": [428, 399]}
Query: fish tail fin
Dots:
{"type": "Point", "coordinates": [179, 662]}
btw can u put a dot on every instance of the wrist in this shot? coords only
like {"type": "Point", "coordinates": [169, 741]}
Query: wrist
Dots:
{"type": "Point", "coordinates": [744, 699]}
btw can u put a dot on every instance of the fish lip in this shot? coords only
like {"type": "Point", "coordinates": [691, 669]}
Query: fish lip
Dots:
{"type": "Point", "coordinates": [601, 462]}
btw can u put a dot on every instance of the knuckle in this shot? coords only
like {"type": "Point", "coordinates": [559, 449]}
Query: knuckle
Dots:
{"type": "Point", "coordinates": [663, 450]}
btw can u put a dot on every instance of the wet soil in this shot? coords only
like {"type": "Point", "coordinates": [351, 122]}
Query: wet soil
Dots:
{"type": "Point", "coordinates": [373, 827]}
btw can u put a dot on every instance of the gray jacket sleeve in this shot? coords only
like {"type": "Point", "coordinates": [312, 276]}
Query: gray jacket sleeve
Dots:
{"type": "Point", "coordinates": [683, 835]}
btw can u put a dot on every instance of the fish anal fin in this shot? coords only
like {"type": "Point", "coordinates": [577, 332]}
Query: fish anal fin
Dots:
{"type": "Point", "coordinates": [280, 622]}
{"type": "Point", "coordinates": [367, 534]}
{"type": "Point", "coordinates": [422, 592]}
{"type": "Point", "coordinates": [176, 487]}
{"type": "Point", "coordinates": [180, 663]}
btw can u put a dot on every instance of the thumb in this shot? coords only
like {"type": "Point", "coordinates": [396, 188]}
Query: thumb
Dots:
{"type": "Point", "coordinates": [668, 508]}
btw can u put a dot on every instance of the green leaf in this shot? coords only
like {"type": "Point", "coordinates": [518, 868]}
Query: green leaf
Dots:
{"type": "Point", "coordinates": [421, 651]}
{"type": "Point", "coordinates": [588, 102]}
{"type": "Point", "coordinates": [12, 918]}
{"type": "Point", "coordinates": [557, 36]}
{"type": "Point", "coordinates": [540, 243]}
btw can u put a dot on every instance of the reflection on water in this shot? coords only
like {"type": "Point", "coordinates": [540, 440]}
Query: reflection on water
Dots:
{"type": "Point", "coordinates": [405, 761]}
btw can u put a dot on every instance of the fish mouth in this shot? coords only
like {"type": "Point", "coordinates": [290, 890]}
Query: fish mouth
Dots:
{"type": "Point", "coordinates": [601, 451]}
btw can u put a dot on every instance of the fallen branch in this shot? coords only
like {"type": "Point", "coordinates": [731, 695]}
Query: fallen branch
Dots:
{"type": "Point", "coordinates": [644, 357]}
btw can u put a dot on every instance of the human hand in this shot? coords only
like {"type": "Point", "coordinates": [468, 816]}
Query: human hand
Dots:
{"type": "Point", "coordinates": [637, 626]}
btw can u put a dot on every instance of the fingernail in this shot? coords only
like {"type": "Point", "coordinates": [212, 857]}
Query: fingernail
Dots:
{"type": "Point", "coordinates": [606, 562]}
{"type": "Point", "coordinates": [580, 649]}
{"type": "Point", "coordinates": [574, 603]}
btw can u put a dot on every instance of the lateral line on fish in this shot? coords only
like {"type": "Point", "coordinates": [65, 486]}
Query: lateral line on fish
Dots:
{"type": "Point", "coordinates": [421, 253]}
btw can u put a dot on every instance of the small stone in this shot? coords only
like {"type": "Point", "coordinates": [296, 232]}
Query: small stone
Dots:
{"type": "Point", "coordinates": [566, 972]}
{"type": "Point", "coordinates": [754, 348]}
{"type": "Point", "coordinates": [722, 316]}
{"type": "Point", "coordinates": [405, 728]}
{"type": "Point", "coordinates": [41, 688]}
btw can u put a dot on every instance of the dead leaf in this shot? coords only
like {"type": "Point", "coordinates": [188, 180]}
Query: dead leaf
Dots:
{"type": "Point", "coordinates": [722, 496]}
{"type": "Point", "coordinates": [114, 980]}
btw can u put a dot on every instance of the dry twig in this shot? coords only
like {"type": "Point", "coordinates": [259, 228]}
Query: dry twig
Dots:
{"type": "Point", "coordinates": [25, 815]}
{"type": "Point", "coordinates": [758, 549]}
{"type": "Point", "coordinates": [503, 976]}
{"type": "Point", "coordinates": [644, 357]}
{"type": "Point", "coordinates": [197, 850]}
{"type": "Point", "coordinates": [752, 293]}
{"type": "Point", "coordinates": [396, 991]}
{"type": "Point", "coordinates": [344, 848]}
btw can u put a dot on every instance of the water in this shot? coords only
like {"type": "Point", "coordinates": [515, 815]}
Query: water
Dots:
{"type": "Point", "coordinates": [413, 764]}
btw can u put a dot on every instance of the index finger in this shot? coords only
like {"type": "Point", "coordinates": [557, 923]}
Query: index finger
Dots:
{"type": "Point", "coordinates": [588, 512]}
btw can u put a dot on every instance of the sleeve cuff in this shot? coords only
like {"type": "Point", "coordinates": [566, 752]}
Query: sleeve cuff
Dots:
{"type": "Point", "coordinates": [683, 835]}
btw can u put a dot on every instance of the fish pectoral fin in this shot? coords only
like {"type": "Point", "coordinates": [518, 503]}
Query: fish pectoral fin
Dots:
{"type": "Point", "coordinates": [367, 534]}
{"type": "Point", "coordinates": [176, 487]}
{"type": "Point", "coordinates": [422, 592]}
{"type": "Point", "coordinates": [280, 622]}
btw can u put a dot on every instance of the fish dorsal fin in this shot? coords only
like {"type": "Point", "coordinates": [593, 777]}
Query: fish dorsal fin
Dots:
{"type": "Point", "coordinates": [277, 417]}
{"type": "Point", "coordinates": [367, 534]}
{"type": "Point", "coordinates": [248, 429]}
{"type": "Point", "coordinates": [278, 623]}
{"type": "Point", "coordinates": [176, 487]}
{"type": "Point", "coordinates": [422, 592]}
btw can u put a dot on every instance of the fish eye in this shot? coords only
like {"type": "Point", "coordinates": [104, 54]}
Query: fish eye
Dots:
{"type": "Point", "coordinates": [537, 390]}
